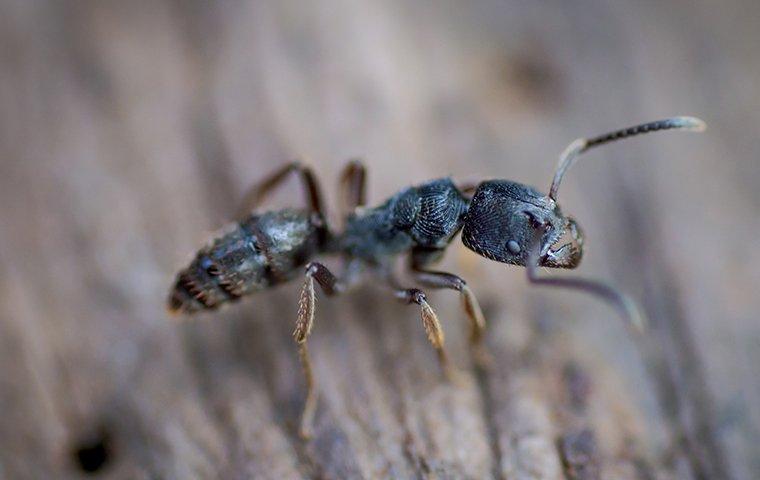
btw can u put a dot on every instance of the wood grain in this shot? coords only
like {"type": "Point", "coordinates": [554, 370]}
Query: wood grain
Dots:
{"type": "Point", "coordinates": [130, 130]}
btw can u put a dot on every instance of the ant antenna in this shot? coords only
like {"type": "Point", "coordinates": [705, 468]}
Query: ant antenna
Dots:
{"type": "Point", "coordinates": [570, 154]}
{"type": "Point", "coordinates": [634, 317]}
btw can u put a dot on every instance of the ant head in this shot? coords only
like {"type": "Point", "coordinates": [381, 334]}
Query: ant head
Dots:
{"type": "Point", "coordinates": [505, 219]}
{"type": "Point", "coordinates": [514, 223]}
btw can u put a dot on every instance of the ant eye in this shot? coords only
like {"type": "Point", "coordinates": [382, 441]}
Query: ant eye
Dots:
{"type": "Point", "coordinates": [513, 247]}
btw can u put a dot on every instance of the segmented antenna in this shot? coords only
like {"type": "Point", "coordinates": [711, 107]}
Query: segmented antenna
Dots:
{"type": "Point", "coordinates": [633, 315]}
{"type": "Point", "coordinates": [571, 153]}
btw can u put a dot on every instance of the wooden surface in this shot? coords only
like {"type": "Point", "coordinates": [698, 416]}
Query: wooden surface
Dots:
{"type": "Point", "coordinates": [129, 130]}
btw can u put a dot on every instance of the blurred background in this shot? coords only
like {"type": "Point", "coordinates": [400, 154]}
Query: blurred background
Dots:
{"type": "Point", "coordinates": [130, 130]}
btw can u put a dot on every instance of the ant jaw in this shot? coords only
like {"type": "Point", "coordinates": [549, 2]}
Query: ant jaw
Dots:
{"type": "Point", "coordinates": [569, 255]}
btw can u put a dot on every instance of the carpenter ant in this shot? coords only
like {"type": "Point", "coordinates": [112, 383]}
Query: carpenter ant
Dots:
{"type": "Point", "coordinates": [502, 220]}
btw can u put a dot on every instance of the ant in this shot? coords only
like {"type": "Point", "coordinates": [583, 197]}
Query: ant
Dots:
{"type": "Point", "coordinates": [501, 220]}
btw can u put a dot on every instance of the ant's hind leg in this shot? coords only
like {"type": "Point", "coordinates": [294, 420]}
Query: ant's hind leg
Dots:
{"type": "Point", "coordinates": [258, 193]}
{"type": "Point", "coordinates": [306, 305]}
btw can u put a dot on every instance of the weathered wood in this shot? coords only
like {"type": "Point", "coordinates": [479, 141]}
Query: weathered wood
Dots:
{"type": "Point", "coordinates": [129, 130]}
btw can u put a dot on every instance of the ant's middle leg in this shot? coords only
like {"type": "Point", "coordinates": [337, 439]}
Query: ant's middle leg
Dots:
{"type": "Point", "coordinates": [431, 324]}
{"type": "Point", "coordinates": [258, 193]}
{"type": "Point", "coordinates": [330, 285]}
{"type": "Point", "coordinates": [353, 181]}
{"type": "Point", "coordinates": [429, 318]}
{"type": "Point", "coordinates": [433, 279]}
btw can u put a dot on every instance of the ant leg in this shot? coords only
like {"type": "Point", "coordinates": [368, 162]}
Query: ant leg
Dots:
{"type": "Point", "coordinates": [429, 321]}
{"type": "Point", "coordinates": [353, 180]}
{"type": "Point", "coordinates": [306, 304]}
{"type": "Point", "coordinates": [256, 195]}
{"type": "Point", "coordinates": [470, 305]}
{"type": "Point", "coordinates": [431, 324]}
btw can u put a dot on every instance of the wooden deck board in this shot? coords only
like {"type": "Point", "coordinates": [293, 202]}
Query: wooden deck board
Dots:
{"type": "Point", "coordinates": [128, 132]}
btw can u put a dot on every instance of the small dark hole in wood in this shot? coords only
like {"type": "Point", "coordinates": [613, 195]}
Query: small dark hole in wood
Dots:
{"type": "Point", "coordinates": [93, 453]}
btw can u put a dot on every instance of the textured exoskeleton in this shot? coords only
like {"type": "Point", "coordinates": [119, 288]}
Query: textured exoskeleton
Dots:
{"type": "Point", "coordinates": [503, 221]}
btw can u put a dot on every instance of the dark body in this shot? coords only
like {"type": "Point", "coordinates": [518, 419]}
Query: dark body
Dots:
{"type": "Point", "coordinates": [426, 216]}
{"type": "Point", "coordinates": [267, 249]}
{"type": "Point", "coordinates": [257, 253]}
{"type": "Point", "coordinates": [504, 221]}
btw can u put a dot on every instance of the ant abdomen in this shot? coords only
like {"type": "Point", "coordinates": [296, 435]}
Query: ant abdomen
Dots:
{"type": "Point", "coordinates": [257, 253]}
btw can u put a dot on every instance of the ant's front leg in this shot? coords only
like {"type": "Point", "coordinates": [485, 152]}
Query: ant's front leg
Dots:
{"type": "Point", "coordinates": [306, 306]}
{"type": "Point", "coordinates": [434, 279]}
